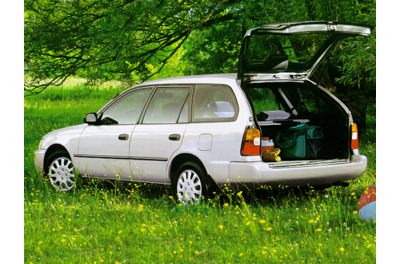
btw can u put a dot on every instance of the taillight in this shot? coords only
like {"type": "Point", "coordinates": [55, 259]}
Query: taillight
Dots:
{"type": "Point", "coordinates": [251, 142]}
{"type": "Point", "coordinates": [354, 138]}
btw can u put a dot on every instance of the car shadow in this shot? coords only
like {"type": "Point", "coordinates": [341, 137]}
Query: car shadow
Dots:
{"type": "Point", "coordinates": [261, 196]}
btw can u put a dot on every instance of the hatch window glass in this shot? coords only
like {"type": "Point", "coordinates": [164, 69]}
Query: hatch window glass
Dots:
{"type": "Point", "coordinates": [280, 52]}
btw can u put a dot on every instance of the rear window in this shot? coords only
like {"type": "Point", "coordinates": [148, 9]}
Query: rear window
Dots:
{"type": "Point", "coordinates": [214, 103]}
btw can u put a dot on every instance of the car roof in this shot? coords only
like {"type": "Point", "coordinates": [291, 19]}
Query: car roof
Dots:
{"type": "Point", "coordinates": [222, 78]}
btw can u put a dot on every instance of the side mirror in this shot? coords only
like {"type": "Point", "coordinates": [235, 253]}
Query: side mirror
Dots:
{"type": "Point", "coordinates": [90, 118]}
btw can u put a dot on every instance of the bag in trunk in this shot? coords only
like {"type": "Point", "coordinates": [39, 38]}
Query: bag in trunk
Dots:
{"type": "Point", "coordinates": [300, 142]}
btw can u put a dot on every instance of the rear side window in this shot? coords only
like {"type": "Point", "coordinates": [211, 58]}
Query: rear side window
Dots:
{"type": "Point", "coordinates": [167, 105]}
{"type": "Point", "coordinates": [214, 103]}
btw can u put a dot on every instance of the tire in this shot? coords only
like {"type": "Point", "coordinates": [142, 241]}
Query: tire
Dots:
{"type": "Point", "coordinates": [60, 171]}
{"type": "Point", "coordinates": [190, 183]}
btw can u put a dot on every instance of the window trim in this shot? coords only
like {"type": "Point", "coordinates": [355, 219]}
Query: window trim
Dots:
{"type": "Point", "coordinates": [219, 120]}
{"type": "Point", "coordinates": [187, 101]}
{"type": "Point", "coordinates": [146, 106]}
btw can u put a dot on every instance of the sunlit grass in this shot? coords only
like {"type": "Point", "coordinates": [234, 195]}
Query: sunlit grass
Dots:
{"type": "Point", "coordinates": [111, 222]}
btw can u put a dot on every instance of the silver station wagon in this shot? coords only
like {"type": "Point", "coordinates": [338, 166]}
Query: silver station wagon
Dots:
{"type": "Point", "coordinates": [271, 123]}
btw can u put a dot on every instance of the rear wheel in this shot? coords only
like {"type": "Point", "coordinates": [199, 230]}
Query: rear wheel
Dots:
{"type": "Point", "coordinates": [61, 171]}
{"type": "Point", "coordinates": [190, 183]}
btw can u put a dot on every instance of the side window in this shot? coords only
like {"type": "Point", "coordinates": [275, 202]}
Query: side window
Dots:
{"type": "Point", "coordinates": [166, 105]}
{"type": "Point", "coordinates": [214, 103]}
{"type": "Point", "coordinates": [127, 109]}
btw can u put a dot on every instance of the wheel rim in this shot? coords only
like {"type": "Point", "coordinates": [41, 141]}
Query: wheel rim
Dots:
{"type": "Point", "coordinates": [61, 174]}
{"type": "Point", "coordinates": [189, 188]}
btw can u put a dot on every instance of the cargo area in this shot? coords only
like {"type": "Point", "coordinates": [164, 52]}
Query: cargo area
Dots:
{"type": "Point", "coordinates": [301, 120]}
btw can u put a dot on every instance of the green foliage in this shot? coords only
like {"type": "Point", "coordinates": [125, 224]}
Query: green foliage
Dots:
{"type": "Point", "coordinates": [108, 39]}
{"type": "Point", "coordinates": [213, 50]}
{"type": "Point", "coordinates": [135, 40]}
{"type": "Point", "coordinates": [135, 223]}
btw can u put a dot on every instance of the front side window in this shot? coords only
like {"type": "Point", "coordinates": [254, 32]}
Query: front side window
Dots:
{"type": "Point", "coordinates": [127, 109]}
{"type": "Point", "coordinates": [214, 103]}
{"type": "Point", "coordinates": [167, 105]}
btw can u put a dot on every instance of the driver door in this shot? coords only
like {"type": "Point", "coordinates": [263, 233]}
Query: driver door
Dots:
{"type": "Point", "coordinates": [104, 148]}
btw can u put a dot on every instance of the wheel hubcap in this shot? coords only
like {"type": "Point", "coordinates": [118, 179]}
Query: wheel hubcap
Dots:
{"type": "Point", "coordinates": [61, 174]}
{"type": "Point", "coordinates": [189, 187]}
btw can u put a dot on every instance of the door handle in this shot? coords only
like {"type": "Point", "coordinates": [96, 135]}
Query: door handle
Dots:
{"type": "Point", "coordinates": [123, 137]}
{"type": "Point", "coordinates": [174, 137]}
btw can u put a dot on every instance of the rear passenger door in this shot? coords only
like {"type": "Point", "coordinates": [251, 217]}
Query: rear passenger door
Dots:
{"type": "Point", "coordinates": [159, 133]}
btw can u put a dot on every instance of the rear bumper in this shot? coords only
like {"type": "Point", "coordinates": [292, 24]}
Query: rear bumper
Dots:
{"type": "Point", "coordinates": [259, 172]}
{"type": "Point", "coordinates": [39, 160]}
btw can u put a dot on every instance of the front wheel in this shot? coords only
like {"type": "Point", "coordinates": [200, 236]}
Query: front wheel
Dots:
{"type": "Point", "coordinates": [61, 171]}
{"type": "Point", "coordinates": [189, 183]}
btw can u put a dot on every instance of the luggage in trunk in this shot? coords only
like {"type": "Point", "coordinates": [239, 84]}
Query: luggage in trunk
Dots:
{"type": "Point", "coordinates": [300, 142]}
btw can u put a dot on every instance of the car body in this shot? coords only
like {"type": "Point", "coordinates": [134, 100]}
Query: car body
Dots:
{"type": "Point", "coordinates": [195, 131]}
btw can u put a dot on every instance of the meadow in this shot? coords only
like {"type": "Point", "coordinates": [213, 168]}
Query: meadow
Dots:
{"type": "Point", "coordinates": [112, 222]}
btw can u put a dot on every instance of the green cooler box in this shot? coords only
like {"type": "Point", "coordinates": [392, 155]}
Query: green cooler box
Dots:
{"type": "Point", "coordinates": [300, 142]}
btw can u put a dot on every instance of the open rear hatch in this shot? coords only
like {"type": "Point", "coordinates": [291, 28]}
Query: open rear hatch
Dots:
{"type": "Point", "coordinates": [303, 120]}
{"type": "Point", "coordinates": [290, 50]}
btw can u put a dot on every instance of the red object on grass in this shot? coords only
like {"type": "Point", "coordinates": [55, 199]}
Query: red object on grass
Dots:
{"type": "Point", "coordinates": [367, 197]}
{"type": "Point", "coordinates": [367, 204]}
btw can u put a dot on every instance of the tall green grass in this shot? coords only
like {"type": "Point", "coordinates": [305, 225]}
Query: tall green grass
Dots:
{"type": "Point", "coordinates": [111, 222]}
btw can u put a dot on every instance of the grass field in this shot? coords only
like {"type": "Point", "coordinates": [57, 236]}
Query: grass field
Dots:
{"type": "Point", "coordinates": [102, 222]}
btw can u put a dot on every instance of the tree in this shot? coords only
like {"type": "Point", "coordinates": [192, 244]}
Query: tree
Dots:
{"type": "Point", "coordinates": [108, 39]}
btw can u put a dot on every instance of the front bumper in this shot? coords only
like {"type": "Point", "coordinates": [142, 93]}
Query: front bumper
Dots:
{"type": "Point", "coordinates": [260, 172]}
{"type": "Point", "coordinates": [39, 160]}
